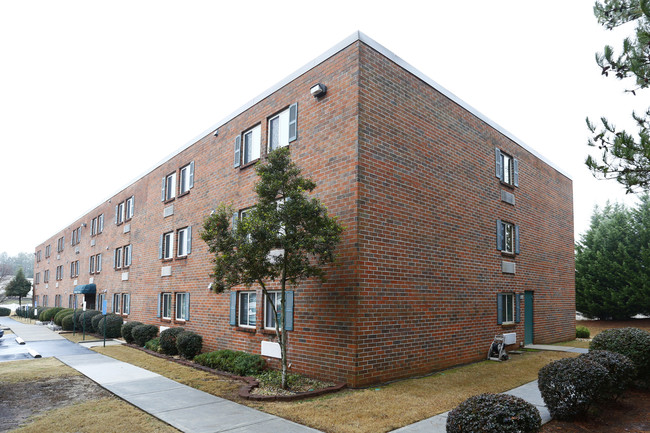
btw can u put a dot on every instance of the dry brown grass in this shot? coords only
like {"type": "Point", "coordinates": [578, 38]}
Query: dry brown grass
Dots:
{"type": "Point", "coordinates": [198, 379]}
{"type": "Point", "coordinates": [97, 416]}
{"type": "Point", "coordinates": [33, 369]}
{"type": "Point", "coordinates": [597, 326]}
{"type": "Point", "coordinates": [584, 344]}
{"type": "Point", "coordinates": [79, 337]}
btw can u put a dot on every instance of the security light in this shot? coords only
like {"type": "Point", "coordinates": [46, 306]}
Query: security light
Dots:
{"type": "Point", "coordinates": [318, 90]}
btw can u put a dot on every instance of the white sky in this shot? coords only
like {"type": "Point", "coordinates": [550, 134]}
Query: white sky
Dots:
{"type": "Point", "coordinates": [93, 94]}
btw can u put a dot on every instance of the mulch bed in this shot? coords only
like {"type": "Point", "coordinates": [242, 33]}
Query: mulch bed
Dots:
{"type": "Point", "coordinates": [628, 414]}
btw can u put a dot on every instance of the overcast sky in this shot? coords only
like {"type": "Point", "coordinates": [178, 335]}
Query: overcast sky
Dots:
{"type": "Point", "coordinates": [94, 94]}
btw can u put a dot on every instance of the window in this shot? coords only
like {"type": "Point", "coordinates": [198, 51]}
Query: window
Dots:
{"type": "Point", "coordinates": [508, 311]}
{"type": "Point", "coordinates": [57, 300]}
{"type": "Point", "coordinates": [166, 247]}
{"type": "Point", "coordinates": [126, 304]}
{"type": "Point", "coordinates": [129, 208]}
{"type": "Point", "coordinates": [71, 301]}
{"type": "Point", "coordinates": [119, 213]}
{"type": "Point", "coordinates": [100, 301]}
{"type": "Point", "coordinates": [60, 244]}
{"type": "Point", "coordinates": [165, 302]}
{"type": "Point", "coordinates": [97, 225]}
{"type": "Point", "coordinates": [44, 300]}
{"type": "Point", "coordinates": [37, 278]}
{"type": "Point", "coordinates": [74, 269]}
{"type": "Point", "coordinates": [126, 256]}
{"type": "Point", "coordinates": [118, 258]}
{"type": "Point", "coordinates": [169, 187]}
{"type": "Point", "coordinates": [46, 276]}
{"type": "Point", "coordinates": [507, 168]}
{"type": "Point", "coordinates": [273, 299]}
{"type": "Point", "coordinates": [247, 309]}
{"type": "Point", "coordinates": [116, 303]}
{"type": "Point", "coordinates": [184, 241]}
{"type": "Point", "coordinates": [507, 237]}
{"type": "Point", "coordinates": [283, 128]}
{"type": "Point", "coordinates": [252, 141]}
{"type": "Point", "coordinates": [76, 236]}
{"type": "Point", "coordinates": [38, 256]}
{"type": "Point", "coordinates": [48, 251]}
{"type": "Point", "coordinates": [95, 264]}
{"type": "Point", "coordinates": [59, 272]}
{"type": "Point", "coordinates": [182, 306]}
{"type": "Point", "coordinates": [186, 180]}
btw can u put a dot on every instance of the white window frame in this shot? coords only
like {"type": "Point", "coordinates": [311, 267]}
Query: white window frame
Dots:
{"type": "Point", "coordinates": [166, 306]}
{"type": "Point", "coordinates": [100, 301]}
{"type": "Point", "coordinates": [279, 123]}
{"type": "Point", "coordinates": [128, 209]}
{"type": "Point", "coordinates": [251, 144]}
{"type": "Point", "coordinates": [46, 276]}
{"type": "Point", "coordinates": [116, 303]}
{"type": "Point", "coordinates": [98, 263]}
{"type": "Point", "coordinates": [184, 182]}
{"type": "Point", "coordinates": [91, 264]}
{"type": "Point", "coordinates": [100, 224]}
{"type": "Point", "coordinates": [168, 246]}
{"type": "Point", "coordinates": [126, 304]}
{"type": "Point", "coordinates": [170, 186]}
{"type": "Point", "coordinates": [48, 251]}
{"type": "Point", "coordinates": [247, 309]}
{"type": "Point", "coordinates": [508, 309]}
{"type": "Point", "coordinates": [184, 241]}
{"type": "Point", "coordinates": [118, 258]}
{"type": "Point", "coordinates": [182, 298]}
{"type": "Point", "coordinates": [127, 256]}
{"type": "Point", "coordinates": [269, 319]}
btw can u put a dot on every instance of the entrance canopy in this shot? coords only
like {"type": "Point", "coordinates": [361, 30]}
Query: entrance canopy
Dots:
{"type": "Point", "coordinates": [85, 288]}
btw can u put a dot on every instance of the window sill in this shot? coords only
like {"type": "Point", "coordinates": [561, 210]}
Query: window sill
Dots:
{"type": "Point", "coordinates": [182, 257]}
{"type": "Point", "coordinates": [247, 330]}
{"type": "Point", "coordinates": [166, 320]}
{"type": "Point", "coordinates": [249, 164]}
{"type": "Point", "coordinates": [267, 331]}
{"type": "Point", "coordinates": [507, 185]}
{"type": "Point", "coordinates": [168, 260]}
{"type": "Point", "coordinates": [169, 200]}
{"type": "Point", "coordinates": [508, 325]}
{"type": "Point", "coordinates": [509, 255]}
{"type": "Point", "coordinates": [183, 194]}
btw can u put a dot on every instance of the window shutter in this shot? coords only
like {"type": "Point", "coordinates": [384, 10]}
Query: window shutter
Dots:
{"type": "Point", "coordinates": [188, 240]}
{"type": "Point", "coordinates": [162, 190]}
{"type": "Point", "coordinates": [235, 218]}
{"type": "Point", "coordinates": [160, 247]}
{"type": "Point", "coordinates": [499, 171]}
{"type": "Point", "coordinates": [293, 122]}
{"type": "Point", "coordinates": [499, 308]}
{"type": "Point", "coordinates": [187, 306]}
{"type": "Point", "coordinates": [233, 308]}
{"type": "Point", "coordinates": [516, 239]}
{"type": "Point", "coordinates": [158, 307]}
{"type": "Point", "coordinates": [499, 236]}
{"type": "Point", "coordinates": [116, 213]}
{"type": "Point", "coordinates": [288, 306]}
{"type": "Point", "coordinates": [90, 264]}
{"type": "Point", "coordinates": [191, 174]}
{"type": "Point", "coordinates": [237, 150]}
{"type": "Point", "coordinates": [517, 310]}
{"type": "Point", "coordinates": [515, 172]}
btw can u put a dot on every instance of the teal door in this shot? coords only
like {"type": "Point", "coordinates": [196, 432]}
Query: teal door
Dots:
{"type": "Point", "coordinates": [528, 320]}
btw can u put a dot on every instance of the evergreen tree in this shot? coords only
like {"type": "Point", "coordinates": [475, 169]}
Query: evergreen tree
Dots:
{"type": "Point", "coordinates": [285, 239]}
{"type": "Point", "coordinates": [18, 286]}
{"type": "Point", "coordinates": [623, 155]}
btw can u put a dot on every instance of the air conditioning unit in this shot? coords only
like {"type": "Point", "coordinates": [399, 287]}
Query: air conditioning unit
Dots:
{"type": "Point", "coordinates": [510, 338]}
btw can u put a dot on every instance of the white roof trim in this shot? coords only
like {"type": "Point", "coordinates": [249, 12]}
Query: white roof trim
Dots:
{"type": "Point", "coordinates": [356, 36]}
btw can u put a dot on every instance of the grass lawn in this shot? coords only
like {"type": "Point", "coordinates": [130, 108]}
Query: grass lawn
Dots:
{"type": "Point", "coordinates": [597, 326]}
{"type": "Point", "coordinates": [377, 409]}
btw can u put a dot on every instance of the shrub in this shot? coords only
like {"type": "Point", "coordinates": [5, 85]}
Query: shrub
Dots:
{"type": "Point", "coordinates": [76, 317]}
{"type": "Point", "coordinates": [66, 322]}
{"type": "Point", "coordinates": [4, 311]}
{"type": "Point", "coordinates": [48, 315]}
{"type": "Point", "coordinates": [113, 325]}
{"type": "Point", "coordinates": [86, 320]}
{"type": "Point", "coordinates": [189, 344]}
{"type": "Point", "coordinates": [42, 312]}
{"type": "Point", "coordinates": [168, 340]}
{"type": "Point", "coordinates": [570, 386]}
{"type": "Point", "coordinates": [240, 363]}
{"type": "Point", "coordinates": [58, 317]}
{"type": "Point", "coordinates": [582, 332]}
{"type": "Point", "coordinates": [494, 413]}
{"type": "Point", "coordinates": [143, 333]}
{"type": "Point", "coordinates": [127, 331]}
{"type": "Point", "coordinates": [153, 344]}
{"type": "Point", "coordinates": [620, 368]}
{"type": "Point", "coordinates": [631, 342]}
{"type": "Point", "coordinates": [94, 321]}
{"type": "Point", "coordinates": [274, 378]}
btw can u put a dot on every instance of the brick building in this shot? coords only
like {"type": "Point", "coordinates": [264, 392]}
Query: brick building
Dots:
{"type": "Point", "coordinates": [454, 230]}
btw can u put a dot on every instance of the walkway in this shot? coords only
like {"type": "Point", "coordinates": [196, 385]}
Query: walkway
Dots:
{"type": "Point", "coordinates": [191, 410]}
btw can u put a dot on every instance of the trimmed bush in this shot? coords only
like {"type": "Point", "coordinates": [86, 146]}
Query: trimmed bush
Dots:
{"type": "Point", "coordinates": [240, 363]}
{"type": "Point", "coordinates": [189, 344]}
{"type": "Point", "coordinates": [582, 332]}
{"type": "Point", "coordinates": [113, 325]}
{"type": "Point", "coordinates": [76, 317]}
{"type": "Point", "coordinates": [42, 312]}
{"type": "Point", "coordinates": [95, 321]}
{"type": "Point", "coordinates": [620, 368]}
{"type": "Point", "coordinates": [48, 315]}
{"type": "Point", "coordinates": [67, 322]}
{"type": "Point", "coordinates": [86, 319]}
{"type": "Point", "coordinates": [631, 342]}
{"type": "Point", "coordinates": [494, 413]}
{"type": "Point", "coordinates": [570, 386]}
{"type": "Point", "coordinates": [58, 317]}
{"type": "Point", "coordinates": [4, 311]}
{"type": "Point", "coordinates": [143, 333]}
{"type": "Point", "coordinates": [127, 331]}
{"type": "Point", "coordinates": [168, 340]}
{"type": "Point", "coordinates": [153, 344]}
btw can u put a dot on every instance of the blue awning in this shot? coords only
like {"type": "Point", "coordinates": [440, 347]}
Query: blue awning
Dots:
{"type": "Point", "coordinates": [85, 288]}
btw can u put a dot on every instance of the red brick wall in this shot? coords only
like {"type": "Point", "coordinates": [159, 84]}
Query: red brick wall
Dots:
{"type": "Point", "coordinates": [411, 177]}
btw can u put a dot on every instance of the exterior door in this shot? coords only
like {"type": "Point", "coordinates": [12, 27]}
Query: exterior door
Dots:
{"type": "Point", "coordinates": [528, 320]}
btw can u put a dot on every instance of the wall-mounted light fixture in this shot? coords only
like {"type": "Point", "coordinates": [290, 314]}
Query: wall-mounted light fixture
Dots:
{"type": "Point", "coordinates": [216, 132]}
{"type": "Point", "coordinates": [84, 225]}
{"type": "Point", "coordinates": [318, 90]}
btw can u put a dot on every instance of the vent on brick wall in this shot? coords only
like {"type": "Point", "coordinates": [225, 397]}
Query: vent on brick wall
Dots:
{"type": "Point", "coordinates": [168, 211]}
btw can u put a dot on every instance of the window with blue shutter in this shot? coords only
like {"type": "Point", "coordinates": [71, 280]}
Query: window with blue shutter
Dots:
{"type": "Point", "coordinates": [508, 311]}
{"type": "Point", "coordinates": [289, 309]}
{"type": "Point", "coordinates": [237, 151]}
{"type": "Point", "coordinates": [293, 122]}
{"type": "Point", "coordinates": [233, 308]}
{"type": "Point", "coordinates": [507, 237]}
